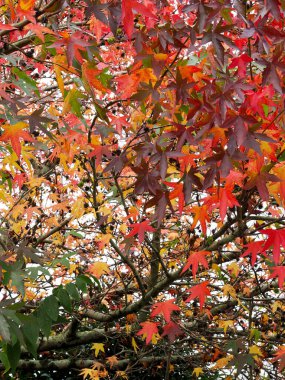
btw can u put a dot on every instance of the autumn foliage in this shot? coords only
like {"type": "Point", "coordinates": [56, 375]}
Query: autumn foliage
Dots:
{"type": "Point", "coordinates": [142, 189]}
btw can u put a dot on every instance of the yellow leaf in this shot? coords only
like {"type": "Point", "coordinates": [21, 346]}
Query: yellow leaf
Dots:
{"type": "Point", "coordinates": [122, 375]}
{"type": "Point", "coordinates": [135, 346]}
{"type": "Point", "coordinates": [234, 269]}
{"type": "Point", "coordinates": [226, 325]}
{"type": "Point", "coordinates": [221, 363]}
{"type": "Point", "coordinates": [93, 374]}
{"type": "Point", "coordinates": [155, 338]}
{"type": "Point", "coordinates": [276, 305]}
{"type": "Point", "coordinates": [229, 290]}
{"type": "Point", "coordinates": [255, 351]}
{"type": "Point", "coordinates": [77, 209]}
{"type": "Point", "coordinates": [197, 371]}
{"type": "Point", "coordinates": [98, 347]}
{"type": "Point", "coordinates": [98, 268]}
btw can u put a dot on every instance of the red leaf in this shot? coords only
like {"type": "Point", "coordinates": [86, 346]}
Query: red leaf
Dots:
{"type": "Point", "coordinates": [194, 260]}
{"type": "Point", "coordinates": [165, 308]}
{"type": "Point", "coordinates": [276, 238]}
{"type": "Point", "coordinates": [241, 63]}
{"type": "Point", "coordinates": [226, 200]}
{"type": "Point", "coordinates": [140, 229]}
{"type": "Point", "coordinates": [171, 330]}
{"type": "Point", "coordinates": [280, 273]}
{"type": "Point", "coordinates": [253, 249]}
{"type": "Point", "coordinates": [128, 8]}
{"type": "Point", "coordinates": [128, 17]}
{"type": "Point", "coordinates": [199, 291]}
{"type": "Point", "coordinates": [148, 330]}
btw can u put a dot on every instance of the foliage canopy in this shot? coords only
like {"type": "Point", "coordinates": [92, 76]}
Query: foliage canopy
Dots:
{"type": "Point", "coordinates": [142, 186]}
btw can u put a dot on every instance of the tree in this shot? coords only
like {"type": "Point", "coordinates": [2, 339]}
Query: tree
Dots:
{"type": "Point", "coordinates": [142, 189]}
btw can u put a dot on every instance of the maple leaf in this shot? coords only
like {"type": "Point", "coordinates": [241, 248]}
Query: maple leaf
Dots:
{"type": "Point", "coordinates": [201, 215]}
{"type": "Point", "coordinates": [128, 8]}
{"type": "Point", "coordinates": [253, 248]}
{"type": "Point", "coordinates": [98, 268]}
{"type": "Point", "coordinates": [26, 5]}
{"type": "Point", "coordinates": [140, 229]}
{"type": "Point", "coordinates": [276, 238]}
{"type": "Point", "coordinates": [280, 273]}
{"type": "Point", "coordinates": [112, 360]}
{"type": "Point", "coordinates": [177, 193]}
{"type": "Point", "coordinates": [199, 291]}
{"type": "Point", "coordinates": [241, 63]}
{"type": "Point", "coordinates": [98, 347]}
{"type": "Point", "coordinates": [172, 330]}
{"type": "Point", "coordinates": [14, 133]}
{"type": "Point", "coordinates": [280, 355]}
{"type": "Point", "coordinates": [165, 308]}
{"type": "Point", "coordinates": [226, 200]}
{"type": "Point", "coordinates": [194, 260]}
{"type": "Point", "coordinates": [148, 331]}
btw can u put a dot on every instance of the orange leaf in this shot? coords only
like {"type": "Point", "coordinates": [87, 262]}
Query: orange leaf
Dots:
{"type": "Point", "coordinates": [98, 268]}
{"type": "Point", "coordinates": [26, 5]}
{"type": "Point", "coordinates": [13, 133]}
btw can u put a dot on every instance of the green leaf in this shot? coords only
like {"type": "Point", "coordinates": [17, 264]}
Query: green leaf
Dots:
{"type": "Point", "coordinates": [44, 321]}
{"type": "Point", "coordinates": [17, 278]}
{"type": "Point", "coordinates": [102, 113]}
{"type": "Point", "coordinates": [50, 305]}
{"type": "Point", "coordinates": [26, 83]}
{"type": "Point", "coordinates": [82, 281]}
{"type": "Point", "coordinates": [5, 361]}
{"type": "Point", "coordinates": [31, 331]}
{"type": "Point", "coordinates": [4, 329]}
{"type": "Point", "coordinates": [73, 292]}
{"type": "Point", "coordinates": [74, 233]}
{"type": "Point", "coordinates": [13, 354]}
{"type": "Point", "coordinates": [64, 299]}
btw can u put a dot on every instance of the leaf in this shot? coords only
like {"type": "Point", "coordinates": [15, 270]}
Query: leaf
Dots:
{"type": "Point", "coordinates": [14, 133]}
{"type": "Point", "coordinates": [4, 329]}
{"type": "Point", "coordinates": [195, 259]}
{"type": "Point", "coordinates": [197, 371]}
{"type": "Point", "coordinates": [222, 363]}
{"type": "Point", "coordinates": [149, 330]}
{"type": "Point", "coordinates": [26, 5]}
{"type": "Point", "coordinates": [140, 229]}
{"type": "Point", "coordinates": [98, 269]}
{"type": "Point", "coordinates": [255, 351]}
{"type": "Point", "coordinates": [280, 273]}
{"type": "Point", "coordinates": [50, 304]}
{"type": "Point", "coordinates": [276, 238]}
{"type": "Point", "coordinates": [98, 347]}
{"type": "Point", "coordinates": [134, 344]}
{"type": "Point", "coordinates": [226, 200]}
{"type": "Point", "coordinates": [112, 360]}
{"type": "Point", "coordinates": [172, 330]}
{"type": "Point", "coordinates": [201, 215]}
{"type": "Point", "coordinates": [164, 308]}
{"type": "Point", "coordinates": [280, 355]}
{"type": "Point", "coordinates": [199, 291]}
{"type": "Point", "coordinates": [253, 249]}
{"type": "Point", "coordinates": [241, 63]}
